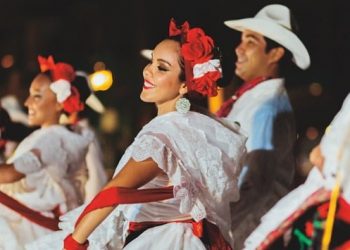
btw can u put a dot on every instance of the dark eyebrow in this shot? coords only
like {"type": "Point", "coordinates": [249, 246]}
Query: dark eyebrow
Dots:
{"type": "Point", "coordinates": [164, 61]}
{"type": "Point", "coordinates": [252, 36]}
{"type": "Point", "coordinates": [37, 89]}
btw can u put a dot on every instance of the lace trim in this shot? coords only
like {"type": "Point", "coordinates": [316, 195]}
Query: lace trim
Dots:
{"type": "Point", "coordinates": [148, 146]}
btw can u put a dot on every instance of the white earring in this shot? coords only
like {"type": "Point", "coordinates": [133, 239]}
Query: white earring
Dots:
{"type": "Point", "coordinates": [182, 105]}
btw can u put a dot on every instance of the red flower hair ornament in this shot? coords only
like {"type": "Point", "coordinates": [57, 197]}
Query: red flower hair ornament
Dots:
{"type": "Point", "coordinates": [197, 50]}
{"type": "Point", "coordinates": [62, 75]}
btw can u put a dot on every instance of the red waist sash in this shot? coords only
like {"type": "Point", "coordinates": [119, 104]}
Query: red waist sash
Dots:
{"type": "Point", "coordinates": [197, 227]}
{"type": "Point", "coordinates": [209, 232]}
{"type": "Point", "coordinates": [117, 195]}
{"type": "Point", "coordinates": [30, 214]}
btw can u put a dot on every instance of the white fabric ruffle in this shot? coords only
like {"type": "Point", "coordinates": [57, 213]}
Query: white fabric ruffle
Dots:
{"type": "Point", "coordinates": [108, 235]}
{"type": "Point", "coordinates": [335, 146]}
{"type": "Point", "coordinates": [27, 163]}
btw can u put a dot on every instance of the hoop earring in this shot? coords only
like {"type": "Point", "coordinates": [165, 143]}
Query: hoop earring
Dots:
{"type": "Point", "coordinates": [182, 105]}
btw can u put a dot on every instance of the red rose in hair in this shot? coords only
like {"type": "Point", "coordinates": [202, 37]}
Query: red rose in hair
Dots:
{"type": "Point", "coordinates": [63, 71]}
{"type": "Point", "coordinates": [198, 47]}
{"type": "Point", "coordinates": [206, 85]}
{"type": "Point", "coordinates": [73, 103]}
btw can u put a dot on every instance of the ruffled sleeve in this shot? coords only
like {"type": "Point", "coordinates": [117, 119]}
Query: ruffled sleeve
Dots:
{"type": "Point", "coordinates": [151, 146]}
{"type": "Point", "coordinates": [52, 153]}
{"type": "Point", "coordinates": [27, 163]}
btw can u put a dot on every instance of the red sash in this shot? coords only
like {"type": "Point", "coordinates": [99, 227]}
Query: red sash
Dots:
{"type": "Point", "coordinates": [197, 227]}
{"type": "Point", "coordinates": [117, 195]}
{"type": "Point", "coordinates": [209, 232]}
{"type": "Point", "coordinates": [30, 214]}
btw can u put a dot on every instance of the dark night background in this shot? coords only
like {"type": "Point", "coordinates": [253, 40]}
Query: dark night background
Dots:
{"type": "Point", "coordinates": [83, 32]}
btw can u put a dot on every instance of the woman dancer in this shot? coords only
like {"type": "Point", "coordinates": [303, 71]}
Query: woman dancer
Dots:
{"type": "Point", "coordinates": [45, 176]}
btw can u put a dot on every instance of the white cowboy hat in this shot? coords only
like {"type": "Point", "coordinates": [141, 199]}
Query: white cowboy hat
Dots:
{"type": "Point", "coordinates": [92, 100]}
{"type": "Point", "coordinates": [11, 104]}
{"type": "Point", "coordinates": [147, 54]}
{"type": "Point", "coordinates": [273, 22]}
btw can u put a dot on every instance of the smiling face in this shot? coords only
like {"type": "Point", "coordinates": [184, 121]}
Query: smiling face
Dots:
{"type": "Point", "coordinates": [252, 59]}
{"type": "Point", "coordinates": [162, 84]}
{"type": "Point", "coordinates": [43, 108]}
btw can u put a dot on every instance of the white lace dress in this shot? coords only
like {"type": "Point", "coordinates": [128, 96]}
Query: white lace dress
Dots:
{"type": "Point", "coordinates": [55, 181]}
{"type": "Point", "coordinates": [201, 159]}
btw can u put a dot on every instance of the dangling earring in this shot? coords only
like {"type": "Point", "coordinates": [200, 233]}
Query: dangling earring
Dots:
{"type": "Point", "coordinates": [182, 105]}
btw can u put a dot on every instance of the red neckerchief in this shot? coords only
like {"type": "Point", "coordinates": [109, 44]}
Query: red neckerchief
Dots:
{"type": "Point", "coordinates": [227, 105]}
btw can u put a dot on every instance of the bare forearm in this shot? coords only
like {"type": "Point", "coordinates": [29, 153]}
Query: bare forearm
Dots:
{"type": "Point", "coordinates": [91, 220]}
{"type": "Point", "coordinates": [89, 223]}
{"type": "Point", "coordinates": [133, 175]}
{"type": "Point", "coordinates": [9, 174]}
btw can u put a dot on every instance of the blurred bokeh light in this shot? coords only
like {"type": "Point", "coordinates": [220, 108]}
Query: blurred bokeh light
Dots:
{"type": "Point", "coordinates": [101, 80]}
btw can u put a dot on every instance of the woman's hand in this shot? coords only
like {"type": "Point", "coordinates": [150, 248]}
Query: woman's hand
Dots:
{"type": "Point", "coordinates": [316, 157]}
{"type": "Point", "coordinates": [72, 244]}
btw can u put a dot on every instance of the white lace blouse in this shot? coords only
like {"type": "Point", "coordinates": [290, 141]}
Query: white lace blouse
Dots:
{"type": "Point", "coordinates": [201, 159]}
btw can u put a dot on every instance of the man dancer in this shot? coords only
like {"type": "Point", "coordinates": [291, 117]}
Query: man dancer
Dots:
{"type": "Point", "coordinates": [262, 107]}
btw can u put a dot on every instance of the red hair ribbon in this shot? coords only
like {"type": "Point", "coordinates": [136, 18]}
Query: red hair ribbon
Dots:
{"type": "Point", "coordinates": [175, 31]}
{"type": "Point", "coordinates": [46, 63]}
{"type": "Point", "coordinates": [58, 70]}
